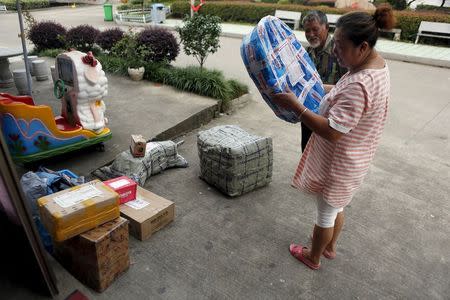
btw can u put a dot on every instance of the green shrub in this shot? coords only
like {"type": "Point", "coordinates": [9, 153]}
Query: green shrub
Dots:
{"type": "Point", "coordinates": [244, 11]}
{"type": "Point", "coordinates": [407, 21]}
{"type": "Point", "coordinates": [200, 36]}
{"type": "Point", "coordinates": [130, 51]}
{"type": "Point", "coordinates": [26, 4]}
{"type": "Point", "coordinates": [128, 6]}
{"type": "Point", "coordinates": [433, 8]}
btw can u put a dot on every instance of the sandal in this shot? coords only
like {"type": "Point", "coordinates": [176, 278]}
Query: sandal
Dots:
{"type": "Point", "coordinates": [297, 252]}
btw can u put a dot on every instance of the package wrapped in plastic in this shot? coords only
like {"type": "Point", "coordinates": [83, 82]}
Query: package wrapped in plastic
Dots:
{"type": "Point", "coordinates": [276, 61]}
{"type": "Point", "coordinates": [233, 160]}
{"type": "Point", "coordinates": [158, 157]}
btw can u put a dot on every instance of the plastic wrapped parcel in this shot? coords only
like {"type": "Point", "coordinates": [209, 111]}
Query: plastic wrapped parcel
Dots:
{"type": "Point", "coordinates": [233, 160]}
{"type": "Point", "coordinates": [275, 60]}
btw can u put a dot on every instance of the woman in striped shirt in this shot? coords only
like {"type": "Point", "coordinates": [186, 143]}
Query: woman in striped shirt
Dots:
{"type": "Point", "coordinates": [346, 131]}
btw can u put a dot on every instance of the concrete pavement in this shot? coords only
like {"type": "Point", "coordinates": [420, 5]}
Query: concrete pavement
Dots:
{"type": "Point", "coordinates": [394, 243]}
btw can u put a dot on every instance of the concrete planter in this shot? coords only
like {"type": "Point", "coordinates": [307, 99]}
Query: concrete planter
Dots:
{"type": "Point", "coordinates": [31, 58]}
{"type": "Point", "coordinates": [20, 80]}
{"type": "Point", "coordinates": [40, 68]}
{"type": "Point", "coordinates": [136, 74]}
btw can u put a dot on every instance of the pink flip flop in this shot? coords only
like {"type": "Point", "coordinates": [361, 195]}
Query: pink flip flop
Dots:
{"type": "Point", "coordinates": [297, 252]}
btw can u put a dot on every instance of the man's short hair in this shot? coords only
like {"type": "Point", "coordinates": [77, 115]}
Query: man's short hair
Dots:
{"type": "Point", "coordinates": [315, 15]}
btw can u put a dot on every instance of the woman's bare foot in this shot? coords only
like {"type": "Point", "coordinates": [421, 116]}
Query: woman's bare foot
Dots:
{"type": "Point", "coordinates": [329, 252]}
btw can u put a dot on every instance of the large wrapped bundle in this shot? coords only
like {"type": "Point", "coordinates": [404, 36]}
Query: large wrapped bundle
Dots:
{"type": "Point", "coordinates": [158, 157]}
{"type": "Point", "coordinates": [276, 61]}
{"type": "Point", "coordinates": [233, 160]}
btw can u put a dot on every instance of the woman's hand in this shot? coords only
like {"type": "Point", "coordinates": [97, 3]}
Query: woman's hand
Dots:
{"type": "Point", "coordinates": [287, 101]}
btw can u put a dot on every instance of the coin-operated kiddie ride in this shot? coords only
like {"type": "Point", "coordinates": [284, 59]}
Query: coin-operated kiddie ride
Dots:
{"type": "Point", "coordinates": [32, 132]}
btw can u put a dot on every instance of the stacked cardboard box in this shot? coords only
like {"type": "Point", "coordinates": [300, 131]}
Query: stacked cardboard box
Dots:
{"type": "Point", "coordinates": [73, 211]}
{"type": "Point", "coordinates": [90, 238]}
{"type": "Point", "coordinates": [147, 214]}
{"type": "Point", "coordinates": [98, 256]}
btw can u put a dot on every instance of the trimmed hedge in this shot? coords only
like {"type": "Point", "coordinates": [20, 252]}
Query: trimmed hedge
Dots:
{"type": "Point", "coordinates": [407, 21]}
{"type": "Point", "coordinates": [26, 4]}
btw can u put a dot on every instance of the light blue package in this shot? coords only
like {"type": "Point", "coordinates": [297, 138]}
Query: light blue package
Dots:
{"type": "Point", "coordinates": [275, 60]}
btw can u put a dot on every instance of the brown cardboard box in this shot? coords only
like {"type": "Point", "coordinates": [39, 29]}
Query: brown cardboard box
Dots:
{"type": "Point", "coordinates": [98, 256]}
{"type": "Point", "coordinates": [78, 209]}
{"type": "Point", "coordinates": [156, 212]}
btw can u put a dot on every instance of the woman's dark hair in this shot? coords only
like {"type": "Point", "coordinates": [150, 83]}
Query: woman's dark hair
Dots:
{"type": "Point", "coordinates": [360, 26]}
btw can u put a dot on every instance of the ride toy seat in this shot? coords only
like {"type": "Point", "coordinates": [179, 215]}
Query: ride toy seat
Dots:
{"type": "Point", "coordinates": [33, 133]}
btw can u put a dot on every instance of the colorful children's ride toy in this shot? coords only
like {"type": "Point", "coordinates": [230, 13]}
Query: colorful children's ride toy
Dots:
{"type": "Point", "coordinates": [32, 132]}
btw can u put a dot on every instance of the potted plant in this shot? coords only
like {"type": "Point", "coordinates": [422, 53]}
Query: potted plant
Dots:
{"type": "Point", "coordinates": [133, 54]}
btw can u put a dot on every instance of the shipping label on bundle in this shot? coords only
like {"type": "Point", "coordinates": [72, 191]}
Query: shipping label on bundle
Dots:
{"type": "Point", "coordinates": [276, 62]}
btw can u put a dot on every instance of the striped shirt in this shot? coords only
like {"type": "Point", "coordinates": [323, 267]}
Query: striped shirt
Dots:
{"type": "Point", "coordinates": [357, 107]}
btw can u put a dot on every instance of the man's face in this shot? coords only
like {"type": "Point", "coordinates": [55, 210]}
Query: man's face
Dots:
{"type": "Point", "coordinates": [316, 33]}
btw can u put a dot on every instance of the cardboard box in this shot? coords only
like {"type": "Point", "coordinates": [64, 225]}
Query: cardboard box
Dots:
{"type": "Point", "coordinates": [147, 214]}
{"type": "Point", "coordinates": [138, 145]}
{"type": "Point", "coordinates": [124, 186]}
{"type": "Point", "coordinates": [97, 257]}
{"type": "Point", "coordinates": [73, 211]}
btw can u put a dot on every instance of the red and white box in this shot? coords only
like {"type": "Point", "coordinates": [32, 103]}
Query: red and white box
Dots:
{"type": "Point", "coordinates": [124, 186]}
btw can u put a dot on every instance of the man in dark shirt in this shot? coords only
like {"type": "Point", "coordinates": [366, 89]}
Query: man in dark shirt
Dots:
{"type": "Point", "coordinates": [320, 50]}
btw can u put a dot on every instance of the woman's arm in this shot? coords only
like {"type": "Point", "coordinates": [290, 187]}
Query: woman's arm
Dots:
{"type": "Point", "coordinates": [328, 87]}
{"type": "Point", "coordinates": [315, 122]}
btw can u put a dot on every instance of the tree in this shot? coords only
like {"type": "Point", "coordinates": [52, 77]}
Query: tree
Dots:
{"type": "Point", "coordinates": [200, 36]}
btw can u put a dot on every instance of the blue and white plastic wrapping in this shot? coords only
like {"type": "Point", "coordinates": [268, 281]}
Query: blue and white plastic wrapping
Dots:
{"type": "Point", "coordinates": [275, 60]}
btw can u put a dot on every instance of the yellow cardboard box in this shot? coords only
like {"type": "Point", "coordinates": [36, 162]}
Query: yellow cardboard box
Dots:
{"type": "Point", "coordinates": [73, 211]}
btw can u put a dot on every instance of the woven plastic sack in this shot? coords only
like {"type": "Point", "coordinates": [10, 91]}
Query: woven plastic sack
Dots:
{"type": "Point", "coordinates": [233, 160]}
{"type": "Point", "coordinates": [158, 157]}
{"type": "Point", "coordinates": [275, 60]}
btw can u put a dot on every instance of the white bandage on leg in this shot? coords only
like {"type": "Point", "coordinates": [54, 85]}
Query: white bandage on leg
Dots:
{"type": "Point", "coordinates": [326, 214]}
